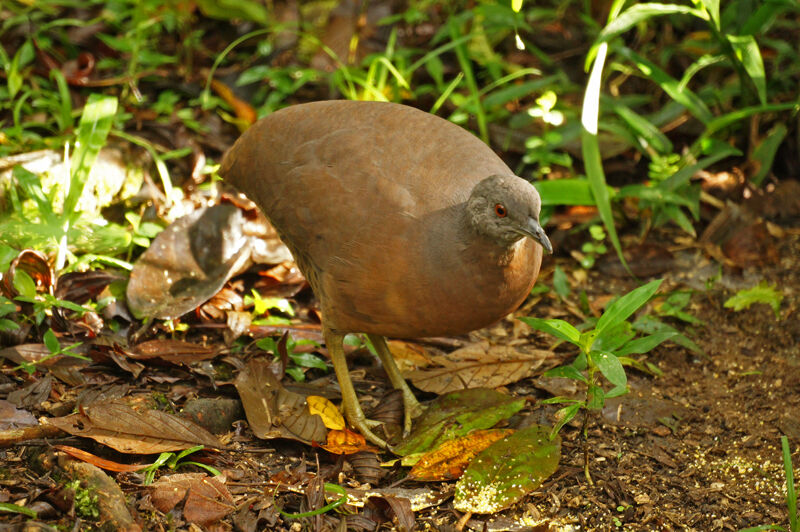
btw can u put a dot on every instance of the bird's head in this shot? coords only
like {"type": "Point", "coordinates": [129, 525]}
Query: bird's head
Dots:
{"type": "Point", "coordinates": [506, 209]}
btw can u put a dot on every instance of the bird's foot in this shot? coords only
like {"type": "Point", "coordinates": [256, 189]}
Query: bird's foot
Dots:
{"type": "Point", "coordinates": [413, 409]}
{"type": "Point", "coordinates": [365, 426]}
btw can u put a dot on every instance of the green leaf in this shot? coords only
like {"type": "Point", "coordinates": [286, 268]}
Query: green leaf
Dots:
{"type": "Point", "coordinates": [560, 282]}
{"type": "Point", "coordinates": [674, 88]}
{"type": "Point", "coordinates": [308, 360]}
{"type": "Point", "coordinates": [51, 341]}
{"type": "Point", "coordinates": [644, 345]}
{"type": "Point", "coordinates": [641, 12]}
{"type": "Point", "coordinates": [507, 470]}
{"type": "Point", "coordinates": [749, 55]}
{"type": "Point", "coordinates": [611, 368]}
{"type": "Point", "coordinates": [595, 397]}
{"type": "Point", "coordinates": [712, 8]}
{"type": "Point", "coordinates": [24, 284]}
{"type": "Point", "coordinates": [96, 120]}
{"type": "Point", "coordinates": [565, 415]}
{"type": "Point", "coordinates": [576, 191]}
{"type": "Point", "coordinates": [651, 325]}
{"type": "Point", "coordinates": [613, 337]}
{"type": "Point", "coordinates": [762, 293]}
{"type": "Point", "coordinates": [646, 132]}
{"type": "Point", "coordinates": [764, 153]}
{"type": "Point", "coordinates": [590, 148]}
{"type": "Point", "coordinates": [558, 328]}
{"type": "Point", "coordinates": [17, 509]}
{"type": "Point", "coordinates": [456, 414]}
{"type": "Point", "coordinates": [566, 372]}
{"type": "Point", "coordinates": [623, 307]}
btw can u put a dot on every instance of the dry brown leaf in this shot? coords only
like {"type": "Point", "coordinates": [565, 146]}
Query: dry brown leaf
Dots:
{"type": "Point", "coordinates": [410, 356]}
{"type": "Point", "coordinates": [207, 499]}
{"type": "Point", "coordinates": [128, 431]}
{"type": "Point", "coordinates": [273, 411]}
{"type": "Point", "coordinates": [482, 365]}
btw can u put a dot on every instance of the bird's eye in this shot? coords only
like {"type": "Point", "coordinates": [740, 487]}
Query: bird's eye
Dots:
{"type": "Point", "coordinates": [500, 211]}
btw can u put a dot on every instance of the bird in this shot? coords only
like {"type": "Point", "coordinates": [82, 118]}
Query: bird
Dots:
{"type": "Point", "coordinates": [405, 225]}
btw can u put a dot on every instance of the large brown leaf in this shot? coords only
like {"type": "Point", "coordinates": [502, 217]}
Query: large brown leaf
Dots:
{"type": "Point", "coordinates": [128, 431]}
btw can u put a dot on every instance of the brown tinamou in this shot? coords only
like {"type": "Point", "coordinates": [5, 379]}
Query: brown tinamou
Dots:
{"type": "Point", "coordinates": [404, 224]}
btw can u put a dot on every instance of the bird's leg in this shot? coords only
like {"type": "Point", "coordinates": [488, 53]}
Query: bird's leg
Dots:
{"type": "Point", "coordinates": [410, 403]}
{"type": "Point", "coordinates": [352, 409]}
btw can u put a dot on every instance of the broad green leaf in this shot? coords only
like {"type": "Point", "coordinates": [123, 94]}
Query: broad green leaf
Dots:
{"type": "Point", "coordinates": [456, 414]}
{"type": "Point", "coordinates": [24, 284]}
{"type": "Point", "coordinates": [613, 337]}
{"type": "Point", "coordinates": [749, 55]}
{"type": "Point", "coordinates": [51, 342]}
{"type": "Point", "coordinates": [644, 345]}
{"type": "Point", "coordinates": [576, 191]}
{"type": "Point", "coordinates": [623, 307]}
{"type": "Point", "coordinates": [308, 360]}
{"type": "Point", "coordinates": [564, 416]}
{"type": "Point", "coordinates": [610, 366]}
{"type": "Point", "coordinates": [235, 9]}
{"type": "Point", "coordinates": [508, 470]}
{"type": "Point", "coordinates": [558, 328]}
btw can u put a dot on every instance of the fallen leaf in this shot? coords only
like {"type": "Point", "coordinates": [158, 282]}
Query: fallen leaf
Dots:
{"type": "Point", "coordinates": [346, 442]}
{"type": "Point", "coordinates": [327, 411]}
{"type": "Point", "coordinates": [508, 470]}
{"type": "Point", "coordinates": [273, 411]}
{"type": "Point", "coordinates": [457, 414]}
{"type": "Point", "coordinates": [206, 499]}
{"type": "Point", "coordinates": [451, 458]}
{"type": "Point", "coordinates": [95, 460]}
{"type": "Point", "coordinates": [129, 431]}
{"type": "Point", "coordinates": [482, 365]}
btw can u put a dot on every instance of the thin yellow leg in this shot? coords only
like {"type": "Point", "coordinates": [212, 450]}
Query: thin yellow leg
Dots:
{"type": "Point", "coordinates": [352, 409]}
{"type": "Point", "coordinates": [412, 406]}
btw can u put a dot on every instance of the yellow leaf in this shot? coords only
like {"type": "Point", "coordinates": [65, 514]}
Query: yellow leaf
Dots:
{"type": "Point", "coordinates": [330, 415]}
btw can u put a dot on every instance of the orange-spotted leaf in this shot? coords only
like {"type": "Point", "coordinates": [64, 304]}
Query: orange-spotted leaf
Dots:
{"type": "Point", "coordinates": [507, 470]}
{"type": "Point", "coordinates": [451, 458]}
{"type": "Point", "coordinates": [330, 415]}
{"type": "Point", "coordinates": [346, 442]}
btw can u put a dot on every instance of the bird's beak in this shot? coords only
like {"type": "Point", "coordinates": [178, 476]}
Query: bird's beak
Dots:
{"type": "Point", "coordinates": [535, 231]}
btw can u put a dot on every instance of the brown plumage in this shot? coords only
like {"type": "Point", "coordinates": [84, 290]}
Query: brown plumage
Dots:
{"type": "Point", "coordinates": [393, 217]}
